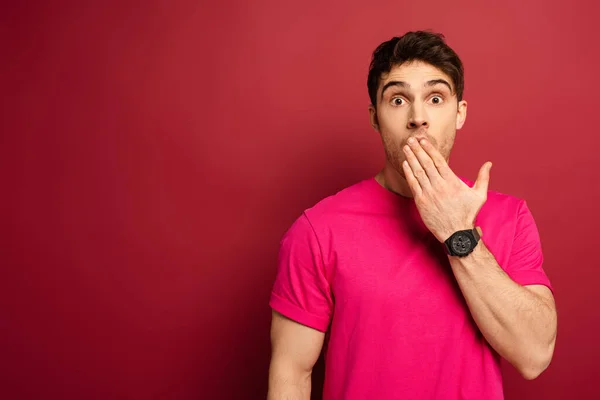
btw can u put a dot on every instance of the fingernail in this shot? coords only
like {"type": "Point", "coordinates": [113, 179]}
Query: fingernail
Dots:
{"type": "Point", "coordinates": [422, 141]}
{"type": "Point", "coordinates": [411, 140]}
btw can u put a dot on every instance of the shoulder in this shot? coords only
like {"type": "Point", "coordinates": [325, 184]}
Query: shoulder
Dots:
{"type": "Point", "coordinates": [312, 231]}
{"type": "Point", "coordinates": [343, 202]}
{"type": "Point", "coordinates": [503, 218]}
{"type": "Point", "coordinates": [332, 211]}
{"type": "Point", "coordinates": [500, 203]}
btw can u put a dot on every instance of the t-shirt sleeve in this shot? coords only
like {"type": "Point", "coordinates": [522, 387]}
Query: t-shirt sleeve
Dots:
{"type": "Point", "coordinates": [524, 264]}
{"type": "Point", "coordinates": [301, 290]}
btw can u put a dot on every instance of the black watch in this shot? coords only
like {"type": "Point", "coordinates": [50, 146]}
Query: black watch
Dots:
{"type": "Point", "coordinates": [462, 243]}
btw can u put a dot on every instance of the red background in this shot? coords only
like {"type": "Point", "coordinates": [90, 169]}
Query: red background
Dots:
{"type": "Point", "coordinates": [152, 154]}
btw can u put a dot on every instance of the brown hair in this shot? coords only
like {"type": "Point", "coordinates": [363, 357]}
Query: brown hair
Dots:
{"type": "Point", "coordinates": [423, 46]}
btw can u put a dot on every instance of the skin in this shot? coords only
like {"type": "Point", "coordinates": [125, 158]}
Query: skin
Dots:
{"type": "Point", "coordinates": [417, 121]}
{"type": "Point", "coordinates": [427, 108]}
{"type": "Point", "coordinates": [519, 322]}
{"type": "Point", "coordinates": [295, 350]}
{"type": "Point", "coordinates": [417, 101]}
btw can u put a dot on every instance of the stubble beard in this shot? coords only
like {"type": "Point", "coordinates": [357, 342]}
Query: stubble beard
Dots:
{"type": "Point", "coordinates": [394, 155]}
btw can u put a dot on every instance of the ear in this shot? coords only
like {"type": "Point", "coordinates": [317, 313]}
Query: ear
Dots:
{"type": "Point", "coordinates": [373, 118]}
{"type": "Point", "coordinates": [461, 114]}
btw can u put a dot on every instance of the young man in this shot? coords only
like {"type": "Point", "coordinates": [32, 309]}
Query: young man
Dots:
{"type": "Point", "coordinates": [422, 280]}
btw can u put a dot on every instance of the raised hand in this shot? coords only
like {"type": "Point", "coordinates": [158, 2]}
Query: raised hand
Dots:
{"type": "Point", "coordinates": [446, 204]}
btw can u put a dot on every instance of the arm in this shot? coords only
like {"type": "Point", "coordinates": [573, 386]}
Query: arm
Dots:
{"type": "Point", "coordinates": [295, 350]}
{"type": "Point", "coordinates": [519, 322]}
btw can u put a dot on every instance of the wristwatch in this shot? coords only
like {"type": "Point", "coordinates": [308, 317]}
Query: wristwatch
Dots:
{"type": "Point", "coordinates": [462, 243]}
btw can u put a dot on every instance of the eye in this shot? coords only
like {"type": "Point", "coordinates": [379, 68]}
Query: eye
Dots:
{"type": "Point", "coordinates": [437, 99]}
{"type": "Point", "coordinates": [397, 101]}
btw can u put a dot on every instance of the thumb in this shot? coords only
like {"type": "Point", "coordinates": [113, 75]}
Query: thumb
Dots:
{"type": "Point", "coordinates": [483, 178]}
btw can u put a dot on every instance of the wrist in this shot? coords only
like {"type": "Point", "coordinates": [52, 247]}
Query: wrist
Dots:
{"type": "Point", "coordinates": [455, 228]}
{"type": "Point", "coordinates": [463, 242]}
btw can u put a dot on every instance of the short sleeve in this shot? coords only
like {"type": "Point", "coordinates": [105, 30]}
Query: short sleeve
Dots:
{"type": "Point", "coordinates": [301, 290]}
{"type": "Point", "coordinates": [524, 264]}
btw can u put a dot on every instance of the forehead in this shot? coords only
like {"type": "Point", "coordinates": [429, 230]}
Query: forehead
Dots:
{"type": "Point", "coordinates": [415, 73]}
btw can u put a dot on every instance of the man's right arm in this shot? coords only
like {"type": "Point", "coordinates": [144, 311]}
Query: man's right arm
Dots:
{"type": "Point", "coordinates": [295, 349]}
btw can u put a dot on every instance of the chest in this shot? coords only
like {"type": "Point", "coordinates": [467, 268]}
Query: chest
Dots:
{"type": "Point", "coordinates": [394, 268]}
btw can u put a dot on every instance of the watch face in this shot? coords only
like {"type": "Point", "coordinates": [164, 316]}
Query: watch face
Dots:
{"type": "Point", "coordinates": [461, 244]}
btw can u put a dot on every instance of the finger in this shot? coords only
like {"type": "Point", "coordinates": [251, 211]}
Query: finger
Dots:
{"type": "Point", "coordinates": [413, 183]}
{"type": "Point", "coordinates": [424, 159]}
{"type": "Point", "coordinates": [417, 169]}
{"type": "Point", "coordinates": [483, 178]}
{"type": "Point", "coordinates": [437, 158]}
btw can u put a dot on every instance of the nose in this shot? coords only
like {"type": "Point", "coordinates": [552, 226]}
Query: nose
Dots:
{"type": "Point", "coordinates": [417, 117]}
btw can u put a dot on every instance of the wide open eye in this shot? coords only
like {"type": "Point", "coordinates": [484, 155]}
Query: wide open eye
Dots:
{"type": "Point", "coordinates": [437, 99]}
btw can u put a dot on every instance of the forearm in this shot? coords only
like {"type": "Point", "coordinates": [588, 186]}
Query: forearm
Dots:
{"type": "Point", "coordinates": [288, 383]}
{"type": "Point", "coordinates": [515, 321]}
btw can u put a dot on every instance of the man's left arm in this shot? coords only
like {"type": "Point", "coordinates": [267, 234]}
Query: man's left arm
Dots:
{"type": "Point", "coordinates": [519, 322]}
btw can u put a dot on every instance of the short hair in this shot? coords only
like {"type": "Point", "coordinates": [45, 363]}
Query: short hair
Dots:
{"type": "Point", "coordinates": [423, 46]}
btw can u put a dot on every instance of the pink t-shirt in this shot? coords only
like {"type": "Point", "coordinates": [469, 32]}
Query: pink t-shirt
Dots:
{"type": "Point", "coordinates": [362, 266]}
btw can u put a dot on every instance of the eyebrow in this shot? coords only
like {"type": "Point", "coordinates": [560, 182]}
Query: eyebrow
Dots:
{"type": "Point", "coordinates": [402, 84]}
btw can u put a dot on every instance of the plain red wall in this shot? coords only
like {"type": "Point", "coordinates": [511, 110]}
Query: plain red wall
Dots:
{"type": "Point", "coordinates": [152, 154]}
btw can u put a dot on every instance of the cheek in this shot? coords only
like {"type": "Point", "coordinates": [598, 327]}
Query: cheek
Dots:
{"type": "Point", "coordinates": [447, 143]}
{"type": "Point", "coordinates": [393, 124]}
{"type": "Point", "coordinates": [392, 117]}
{"type": "Point", "coordinates": [392, 145]}
{"type": "Point", "coordinates": [449, 117]}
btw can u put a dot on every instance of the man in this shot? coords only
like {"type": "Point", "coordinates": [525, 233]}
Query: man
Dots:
{"type": "Point", "coordinates": [421, 280]}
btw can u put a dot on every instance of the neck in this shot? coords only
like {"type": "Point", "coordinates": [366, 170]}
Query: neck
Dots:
{"type": "Point", "coordinates": [393, 181]}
